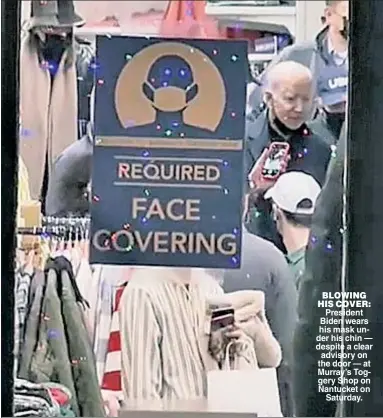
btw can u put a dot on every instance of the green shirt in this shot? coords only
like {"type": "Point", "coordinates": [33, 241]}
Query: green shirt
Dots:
{"type": "Point", "coordinates": [296, 261]}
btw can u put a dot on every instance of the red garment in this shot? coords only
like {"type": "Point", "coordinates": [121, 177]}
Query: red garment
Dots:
{"type": "Point", "coordinates": [59, 396]}
{"type": "Point", "coordinates": [112, 374]}
{"type": "Point", "coordinates": [188, 19]}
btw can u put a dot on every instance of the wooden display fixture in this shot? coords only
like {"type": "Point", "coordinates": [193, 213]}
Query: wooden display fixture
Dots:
{"type": "Point", "coordinates": [31, 218]}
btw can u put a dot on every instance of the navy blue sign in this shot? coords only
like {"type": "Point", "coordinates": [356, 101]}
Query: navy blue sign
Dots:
{"type": "Point", "coordinates": [168, 157]}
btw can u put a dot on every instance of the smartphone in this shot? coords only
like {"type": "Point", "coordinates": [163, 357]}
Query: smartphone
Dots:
{"type": "Point", "coordinates": [276, 157]}
{"type": "Point", "coordinates": [222, 318]}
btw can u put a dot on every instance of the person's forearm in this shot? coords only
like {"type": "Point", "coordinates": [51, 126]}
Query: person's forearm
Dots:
{"type": "Point", "coordinates": [267, 348]}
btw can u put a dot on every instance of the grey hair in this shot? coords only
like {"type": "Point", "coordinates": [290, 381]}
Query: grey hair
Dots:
{"type": "Point", "coordinates": [283, 71]}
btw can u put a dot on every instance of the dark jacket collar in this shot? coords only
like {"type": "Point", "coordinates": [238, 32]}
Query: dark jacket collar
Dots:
{"type": "Point", "coordinates": [259, 129]}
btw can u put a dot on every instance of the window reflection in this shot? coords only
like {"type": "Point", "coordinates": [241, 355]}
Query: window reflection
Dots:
{"type": "Point", "coordinates": [279, 214]}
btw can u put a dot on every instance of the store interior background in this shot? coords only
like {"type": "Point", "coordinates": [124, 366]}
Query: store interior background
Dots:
{"type": "Point", "coordinates": [130, 16]}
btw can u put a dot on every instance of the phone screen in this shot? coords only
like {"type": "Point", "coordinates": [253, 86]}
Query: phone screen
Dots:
{"type": "Point", "coordinates": [217, 313]}
{"type": "Point", "coordinates": [222, 318]}
{"type": "Point", "coordinates": [273, 163]}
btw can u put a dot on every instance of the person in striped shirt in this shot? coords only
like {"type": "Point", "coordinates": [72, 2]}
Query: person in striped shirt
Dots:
{"type": "Point", "coordinates": [164, 347]}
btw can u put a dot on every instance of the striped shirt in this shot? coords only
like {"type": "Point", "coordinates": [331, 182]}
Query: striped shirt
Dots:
{"type": "Point", "coordinates": [161, 324]}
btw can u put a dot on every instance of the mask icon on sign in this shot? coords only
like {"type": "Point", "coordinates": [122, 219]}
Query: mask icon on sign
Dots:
{"type": "Point", "coordinates": [170, 87]}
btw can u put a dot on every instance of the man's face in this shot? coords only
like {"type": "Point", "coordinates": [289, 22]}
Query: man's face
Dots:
{"type": "Point", "coordinates": [336, 15]}
{"type": "Point", "coordinates": [292, 101]}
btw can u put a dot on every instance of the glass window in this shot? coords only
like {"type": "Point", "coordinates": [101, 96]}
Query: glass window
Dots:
{"type": "Point", "coordinates": [181, 223]}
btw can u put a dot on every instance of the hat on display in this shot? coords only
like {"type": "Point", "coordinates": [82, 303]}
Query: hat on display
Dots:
{"type": "Point", "coordinates": [295, 192]}
{"type": "Point", "coordinates": [332, 85]}
{"type": "Point", "coordinates": [55, 13]}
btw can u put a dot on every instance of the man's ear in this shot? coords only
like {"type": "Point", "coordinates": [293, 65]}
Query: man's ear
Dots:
{"type": "Point", "coordinates": [191, 93]}
{"type": "Point", "coordinates": [148, 91]}
{"type": "Point", "coordinates": [267, 98]}
{"type": "Point", "coordinates": [277, 214]}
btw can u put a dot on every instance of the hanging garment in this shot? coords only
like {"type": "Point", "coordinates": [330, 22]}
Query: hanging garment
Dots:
{"type": "Point", "coordinates": [103, 320]}
{"type": "Point", "coordinates": [92, 287]}
{"type": "Point", "coordinates": [84, 281]}
{"type": "Point", "coordinates": [48, 110]}
{"type": "Point", "coordinates": [112, 374]}
{"type": "Point", "coordinates": [63, 352]}
{"type": "Point", "coordinates": [24, 194]}
{"type": "Point", "coordinates": [22, 285]}
{"type": "Point", "coordinates": [32, 324]}
{"type": "Point", "coordinates": [79, 347]}
{"type": "Point", "coordinates": [107, 279]}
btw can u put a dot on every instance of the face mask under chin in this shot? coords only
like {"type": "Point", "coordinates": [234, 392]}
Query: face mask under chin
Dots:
{"type": "Point", "coordinates": [345, 31]}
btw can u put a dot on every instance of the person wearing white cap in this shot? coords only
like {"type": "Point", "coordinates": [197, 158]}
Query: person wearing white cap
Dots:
{"type": "Point", "coordinates": [294, 196]}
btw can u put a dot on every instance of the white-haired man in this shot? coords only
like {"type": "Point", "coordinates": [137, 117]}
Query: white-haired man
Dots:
{"type": "Point", "coordinates": [289, 96]}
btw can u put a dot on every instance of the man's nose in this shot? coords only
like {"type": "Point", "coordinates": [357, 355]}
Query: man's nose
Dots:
{"type": "Point", "coordinates": [299, 106]}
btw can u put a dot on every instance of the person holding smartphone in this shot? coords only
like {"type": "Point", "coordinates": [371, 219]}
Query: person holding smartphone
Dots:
{"type": "Point", "coordinates": [279, 140]}
{"type": "Point", "coordinates": [239, 318]}
{"type": "Point", "coordinates": [166, 325]}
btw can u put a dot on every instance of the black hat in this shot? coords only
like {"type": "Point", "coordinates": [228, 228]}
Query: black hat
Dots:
{"type": "Point", "coordinates": [56, 13]}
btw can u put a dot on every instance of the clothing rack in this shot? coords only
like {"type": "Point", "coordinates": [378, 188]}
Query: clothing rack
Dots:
{"type": "Point", "coordinates": [58, 227]}
{"type": "Point", "coordinates": [39, 231]}
{"type": "Point", "coordinates": [67, 222]}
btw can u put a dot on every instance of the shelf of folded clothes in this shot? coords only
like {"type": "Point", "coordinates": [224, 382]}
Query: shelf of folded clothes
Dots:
{"type": "Point", "coordinates": [41, 400]}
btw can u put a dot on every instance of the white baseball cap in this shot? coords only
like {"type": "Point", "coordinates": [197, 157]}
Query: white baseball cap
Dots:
{"type": "Point", "coordinates": [291, 189]}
